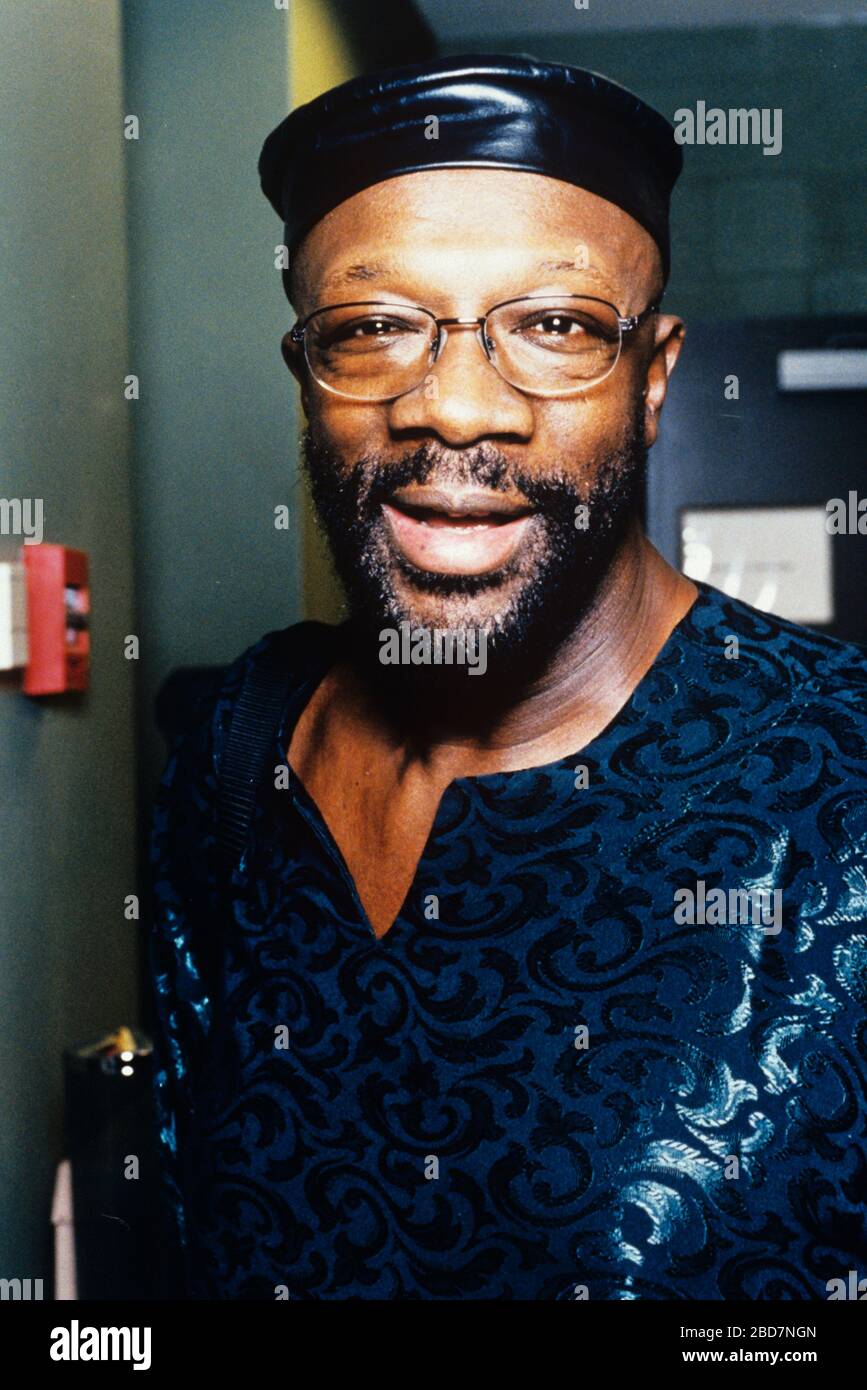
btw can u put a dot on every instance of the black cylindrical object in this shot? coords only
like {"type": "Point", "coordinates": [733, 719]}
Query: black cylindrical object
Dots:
{"type": "Point", "coordinates": [110, 1144]}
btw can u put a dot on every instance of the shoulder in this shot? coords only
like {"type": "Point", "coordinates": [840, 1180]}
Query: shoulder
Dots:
{"type": "Point", "coordinates": [204, 701]}
{"type": "Point", "coordinates": [801, 675]}
{"type": "Point", "coordinates": [781, 766]}
{"type": "Point", "coordinates": [289, 658]}
{"type": "Point", "coordinates": [183, 827]}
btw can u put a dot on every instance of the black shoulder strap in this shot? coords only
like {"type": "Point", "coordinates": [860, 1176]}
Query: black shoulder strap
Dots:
{"type": "Point", "coordinates": [298, 656]}
{"type": "Point", "coordinates": [251, 732]}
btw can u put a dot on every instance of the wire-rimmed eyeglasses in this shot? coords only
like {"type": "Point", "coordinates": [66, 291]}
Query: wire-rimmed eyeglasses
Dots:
{"type": "Point", "coordinates": [544, 345]}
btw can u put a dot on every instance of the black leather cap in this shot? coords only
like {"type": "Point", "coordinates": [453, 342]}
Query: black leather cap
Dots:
{"type": "Point", "coordinates": [505, 112]}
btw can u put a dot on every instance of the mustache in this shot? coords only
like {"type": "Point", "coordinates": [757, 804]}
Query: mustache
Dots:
{"type": "Point", "coordinates": [373, 481]}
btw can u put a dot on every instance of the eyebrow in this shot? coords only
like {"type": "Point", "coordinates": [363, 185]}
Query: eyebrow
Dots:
{"type": "Point", "coordinates": [363, 271]}
{"type": "Point", "coordinates": [360, 271]}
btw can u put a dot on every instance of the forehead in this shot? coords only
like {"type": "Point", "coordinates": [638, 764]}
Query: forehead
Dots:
{"type": "Point", "coordinates": [473, 224]}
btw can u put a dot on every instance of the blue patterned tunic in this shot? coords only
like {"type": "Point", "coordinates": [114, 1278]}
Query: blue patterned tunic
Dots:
{"type": "Point", "coordinates": [538, 1084]}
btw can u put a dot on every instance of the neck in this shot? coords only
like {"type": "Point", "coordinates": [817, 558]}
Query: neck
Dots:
{"type": "Point", "coordinates": [573, 696]}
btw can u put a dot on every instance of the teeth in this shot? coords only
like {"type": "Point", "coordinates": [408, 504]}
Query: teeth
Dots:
{"type": "Point", "coordinates": [432, 516]}
{"type": "Point", "coordinates": [450, 516]}
{"type": "Point", "coordinates": [457, 518]}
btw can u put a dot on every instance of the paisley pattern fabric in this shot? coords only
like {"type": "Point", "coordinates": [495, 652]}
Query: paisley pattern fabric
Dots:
{"type": "Point", "coordinates": [539, 1084]}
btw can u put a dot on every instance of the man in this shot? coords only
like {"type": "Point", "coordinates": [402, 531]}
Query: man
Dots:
{"type": "Point", "coordinates": [527, 963]}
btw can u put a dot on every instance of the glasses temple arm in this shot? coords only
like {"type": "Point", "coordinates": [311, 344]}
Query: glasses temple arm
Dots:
{"type": "Point", "coordinates": [628, 325]}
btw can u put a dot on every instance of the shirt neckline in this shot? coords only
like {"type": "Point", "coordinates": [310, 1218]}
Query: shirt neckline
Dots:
{"type": "Point", "coordinates": [594, 749]}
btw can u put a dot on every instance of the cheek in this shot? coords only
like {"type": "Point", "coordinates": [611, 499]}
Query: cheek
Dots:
{"type": "Point", "coordinates": [574, 433]}
{"type": "Point", "coordinates": [347, 428]}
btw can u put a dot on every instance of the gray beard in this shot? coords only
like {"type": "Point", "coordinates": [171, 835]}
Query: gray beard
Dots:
{"type": "Point", "coordinates": [558, 571]}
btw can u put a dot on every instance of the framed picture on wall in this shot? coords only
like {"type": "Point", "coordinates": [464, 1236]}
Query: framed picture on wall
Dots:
{"type": "Point", "coordinates": [776, 558]}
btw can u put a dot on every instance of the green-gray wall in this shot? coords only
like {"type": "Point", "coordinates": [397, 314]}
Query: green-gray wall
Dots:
{"type": "Point", "coordinates": [215, 428]}
{"type": "Point", "coordinates": [67, 954]}
{"type": "Point", "coordinates": [752, 234]}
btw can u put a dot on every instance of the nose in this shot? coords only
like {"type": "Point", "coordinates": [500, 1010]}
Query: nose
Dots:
{"type": "Point", "coordinates": [463, 398]}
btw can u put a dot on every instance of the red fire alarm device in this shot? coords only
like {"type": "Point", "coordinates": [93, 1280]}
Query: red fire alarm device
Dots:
{"type": "Point", "coordinates": [58, 619]}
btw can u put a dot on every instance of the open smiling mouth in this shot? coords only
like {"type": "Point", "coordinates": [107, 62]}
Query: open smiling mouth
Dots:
{"type": "Point", "coordinates": [456, 532]}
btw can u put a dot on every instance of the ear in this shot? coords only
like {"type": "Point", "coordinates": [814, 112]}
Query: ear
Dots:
{"type": "Point", "coordinates": [293, 356]}
{"type": "Point", "coordinates": [670, 333]}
